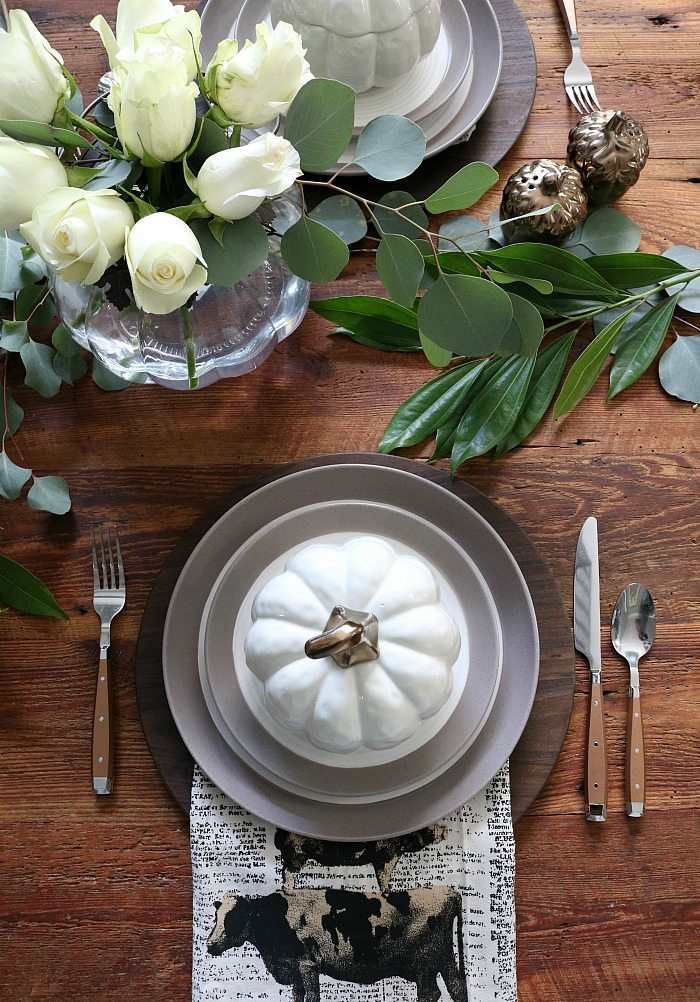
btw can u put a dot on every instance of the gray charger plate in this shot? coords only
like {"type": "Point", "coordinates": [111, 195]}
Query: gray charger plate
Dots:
{"type": "Point", "coordinates": [366, 776]}
{"type": "Point", "coordinates": [458, 784]}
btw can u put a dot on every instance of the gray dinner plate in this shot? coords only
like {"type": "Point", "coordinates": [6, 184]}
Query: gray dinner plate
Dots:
{"type": "Point", "coordinates": [234, 695]}
{"type": "Point", "coordinates": [457, 784]}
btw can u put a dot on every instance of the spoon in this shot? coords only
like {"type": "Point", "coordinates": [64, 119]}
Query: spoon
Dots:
{"type": "Point", "coordinates": [632, 633]}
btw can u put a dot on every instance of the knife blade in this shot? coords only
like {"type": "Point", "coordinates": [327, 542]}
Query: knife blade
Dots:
{"type": "Point", "coordinates": [587, 641]}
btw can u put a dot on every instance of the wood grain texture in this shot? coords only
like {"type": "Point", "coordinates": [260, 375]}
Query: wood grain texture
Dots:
{"type": "Point", "coordinates": [95, 897]}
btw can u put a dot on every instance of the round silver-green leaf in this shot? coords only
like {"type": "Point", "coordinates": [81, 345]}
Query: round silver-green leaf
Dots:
{"type": "Point", "coordinates": [390, 147]}
{"type": "Point", "coordinates": [319, 123]}
{"type": "Point", "coordinates": [463, 189]}
{"type": "Point", "coordinates": [470, 316]}
{"type": "Point", "coordinates": [679, 369]}
{"type": "Point", "coordinates": [313, 251]}
{"type": "Point", "coordinates": [49, 494]}
{"type": "Point", "coordinates": [400, 266]}
{"type": "Point", "coordinates": [343, 215]}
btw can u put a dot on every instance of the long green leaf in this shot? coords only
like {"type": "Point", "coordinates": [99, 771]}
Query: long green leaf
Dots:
{"type": "Point", "coordinates": [642, 344]}
{"type": "Point", "coordinates": [374, 334]}
{"type": "Point", "coordinates": [341, 307]}
{"type": "Point", "coordinates": [587, 367]}
{"type": "Point", "coordinates": [546, 376]}
{"type": "Point", "coordinates": [493, 412]}
{"type": "Point", "coordinates": [24, 591]}
{"type": "Point", "coordinates": [567, 273]}
{"type": "Point", "coordinates": [430, 406]}
{"type": "Point", "coordinates": [634, 271]}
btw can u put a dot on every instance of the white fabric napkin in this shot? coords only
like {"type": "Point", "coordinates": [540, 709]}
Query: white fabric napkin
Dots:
{"type": "Point", "coordinates": [307, 931]}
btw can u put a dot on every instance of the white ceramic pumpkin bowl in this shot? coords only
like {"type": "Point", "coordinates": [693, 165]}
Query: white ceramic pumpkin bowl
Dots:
{"type": "Point", "coordinates": [363, 43]}
{"type": "Point", "coordinates": [234, 695]}
{"type": "Point", "coordinates": [380, 701]}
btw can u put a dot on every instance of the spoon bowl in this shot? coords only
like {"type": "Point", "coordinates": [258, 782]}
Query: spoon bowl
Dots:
{"type": "Point", "coordinates": [633, 626]}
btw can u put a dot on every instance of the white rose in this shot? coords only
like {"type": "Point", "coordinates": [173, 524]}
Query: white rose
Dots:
{"type": "Point", "coordinates": [258, 83]}
{"type": "Point", "coordinates": [233, 183]}
{"type": "Point", "coordinates": [154, 105]}
{"type": "Point", "coordinates": [140, 22]}
{"type": "Point", "coordinates": [32, 84]}
{"type": "Point", "coordinates": [79, 233]}
{"type": "Point", "coordinates": [27, 173]}
{"type": "Point", "coordinates": [165, 262]}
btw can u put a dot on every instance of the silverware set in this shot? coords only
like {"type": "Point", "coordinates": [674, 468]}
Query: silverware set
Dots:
{"type": "Point", "coordinates": [632, 633]}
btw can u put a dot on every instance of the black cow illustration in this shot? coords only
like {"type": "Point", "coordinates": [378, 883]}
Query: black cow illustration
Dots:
{"type": "Point", "coordinates": [382, 854]}
{"type": "Point", "coordinates": [349, 936]}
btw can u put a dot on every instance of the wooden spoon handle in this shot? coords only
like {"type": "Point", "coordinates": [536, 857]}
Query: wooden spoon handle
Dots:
{"type": "Point", "coordinates": [634, 771]}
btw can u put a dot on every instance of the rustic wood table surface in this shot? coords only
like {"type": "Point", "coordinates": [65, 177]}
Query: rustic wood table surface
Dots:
{"type": "Point", "coordinates": [95, 892]}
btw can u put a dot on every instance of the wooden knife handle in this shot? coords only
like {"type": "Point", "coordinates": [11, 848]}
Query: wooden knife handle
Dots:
{"type": "Point", "coordinates": [597, 762]}
{"type": "Point", "coordinates": [634, 770]}
{"type": "Point", "coordinates": [103, 732]}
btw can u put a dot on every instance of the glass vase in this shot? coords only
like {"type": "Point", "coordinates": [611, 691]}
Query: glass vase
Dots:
{"type": "Point", "coordinates": [222, 332]}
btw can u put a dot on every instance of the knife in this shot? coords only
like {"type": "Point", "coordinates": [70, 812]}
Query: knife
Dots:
{"type": "Point", "coordinates": [587, 641]}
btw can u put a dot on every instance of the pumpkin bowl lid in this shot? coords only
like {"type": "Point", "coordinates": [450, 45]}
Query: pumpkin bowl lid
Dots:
{"type": "Point", "coordinates": [353, 18]}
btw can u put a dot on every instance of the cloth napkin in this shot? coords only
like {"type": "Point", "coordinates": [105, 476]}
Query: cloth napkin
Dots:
{"type": "Point", "coordinates": [273, 922]}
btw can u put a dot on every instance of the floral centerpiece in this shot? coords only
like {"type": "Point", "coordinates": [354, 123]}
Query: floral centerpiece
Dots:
{"type": "Point", "coordinates": [188, 185]}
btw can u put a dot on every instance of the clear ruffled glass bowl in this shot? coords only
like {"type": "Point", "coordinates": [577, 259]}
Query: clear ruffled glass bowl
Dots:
{"type": "Point", "coordinates": [231, 330]}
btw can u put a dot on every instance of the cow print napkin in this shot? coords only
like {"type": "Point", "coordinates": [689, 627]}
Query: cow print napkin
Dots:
{"type": "Point", "coordinates": [427, 917]}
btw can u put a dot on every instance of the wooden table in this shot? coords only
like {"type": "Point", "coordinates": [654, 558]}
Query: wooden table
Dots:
{"type": "Point", "coordinates": [95, 898]}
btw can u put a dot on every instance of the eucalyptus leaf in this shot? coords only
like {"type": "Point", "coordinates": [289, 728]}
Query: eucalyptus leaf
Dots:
{"type": "Point", "coordinates": [679, 369]}
{"type": "Point", "coordinates": [313, 251]}
{"type": "Point", "coordinates": [44, 135]}
{"type": "Point", "coordinates": [430, 406]}
{"type": "Point", "coordinates": [526, 331]}
{"type": "Point", "coordinates": [49, 494]}
{"type": "Point", "coordinates": [689, 257]}
{"type": "Point", "coordinates": [607, 231]}
{"type": "Point", "coordinates": [103, 115]}
{"type": "Point", "coordinates": [34, 268]}
{"type": "Point", "coordinates": [112, 173]}
{"type": "Point", "coordinates": [390, 147]}
{"type": "Point", "coordinates": [243, 248]}
{"type": "Point", "coordinates": [493, 411]}
{"type": "Point", "coordinates": [106, 380]}
{"type": "Point", "coordinates": [463, 189]}
{"type": "Point", "coordinates": [437, 356]}
{"type": "Point", "coordinates": [70, 368]}
{"type": "Point", "coordinates": [343, 215]}
{"type": "Point", "coordinates": [319, 123]}
{"type": "Point", "coordinates": [23, 591]}
{"type": "Point", "coordinates": [13, 335]}
{"type": "Point", "coordinates": [40, 373]}
{"type": "Point", "coordinates": [567, 273]}
{"type": "Point", "coordinates": [15, 414]}
{"type": "Point", "coordinates": [11, 262]}
{"type": "Point", "coordinates": [12, 477]}
{"type": "Point", "coordinates": [587, 367]}
{"type": "Point", "coordinates": [643, 343]}
{"type": "Point", "coordinates": [634, 271]}
{"type": "Point", "coordinates": [468, 232]}
{"type": "Point", "coordinates": [411, 221]}
{"type": "Point", "coordinates": [465, 314]}
{"type": "Point", "coordinates": [546, 376]}
{"type": "Point", "coordinates": [400, 267]}
{"type": "Point", "coordinates": [63, 341]}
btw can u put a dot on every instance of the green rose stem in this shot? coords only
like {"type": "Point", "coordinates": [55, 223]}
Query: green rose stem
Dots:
{"type": "Point", "coordinates": [190, 351]}
{"type": "Point", "coordinates": [154, 176]}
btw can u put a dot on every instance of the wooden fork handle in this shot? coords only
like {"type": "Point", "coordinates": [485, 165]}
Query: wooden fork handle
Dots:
{"type": "Point", "coordinates": [103, 731]}
{"type": "Point", "coordinates": [634, 771]}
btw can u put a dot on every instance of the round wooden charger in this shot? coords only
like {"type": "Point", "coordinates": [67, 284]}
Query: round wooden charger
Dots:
{"type": "Point", "coordinates": [498, 128]}
{"type": "Point", "coordinates": [538, 749]}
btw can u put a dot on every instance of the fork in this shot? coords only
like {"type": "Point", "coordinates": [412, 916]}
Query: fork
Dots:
{"type": "Point", "coordinates": [109, 596]}
{"type": "Point", "coordinates": [578, 80]}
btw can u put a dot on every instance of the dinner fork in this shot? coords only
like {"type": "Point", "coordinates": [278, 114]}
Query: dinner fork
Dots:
{"type": "Point", "coordinates": [109, 596]}
{"type": "Point", "coordinates": [578, 80]}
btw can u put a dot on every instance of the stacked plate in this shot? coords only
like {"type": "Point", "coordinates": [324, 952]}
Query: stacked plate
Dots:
{"type": "Point", "coordinates": [446, 93]}
{"type": "Point", "coordinates": [217, 702]}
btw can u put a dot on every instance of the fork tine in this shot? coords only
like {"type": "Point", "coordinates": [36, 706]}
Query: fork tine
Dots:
{"type": "Point", "coordinates": [95, 573]}
{"type": "Point", "coordinates": [110, 550]}
{"type": "Point", "coordinates": [585, 99]}
{"type": "Point", "coordinates": [120, 565]}
{"type": "Point", "coordinates": [593, 98]}
{"type": "Point", "coordinates": [103, 561]}
{"type": "Point", "coordinates": [573, 97]}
